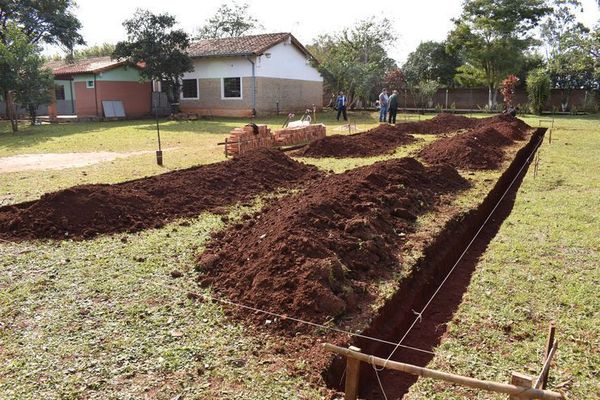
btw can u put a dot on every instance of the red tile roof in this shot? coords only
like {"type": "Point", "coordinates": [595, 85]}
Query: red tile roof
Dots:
{"type": "Point", "coordinates": [241, 46]}
{"type": "Point", "coordinates": [87, 66]}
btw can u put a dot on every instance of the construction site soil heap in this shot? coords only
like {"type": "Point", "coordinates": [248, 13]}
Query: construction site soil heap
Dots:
{"type": "Point", "coordinates": [85, 211]}
{"type": "Point", "coordinates": [479, 148]}
{"type": "Point", "coordinates": [313, 255]}
{"type": "Point", "coordinates": [383, 139]}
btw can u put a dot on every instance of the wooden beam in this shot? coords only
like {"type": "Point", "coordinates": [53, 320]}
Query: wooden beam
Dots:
{"type": "Point", "coordinates": [522, 380]}
{"type": "Point", "coordinates": [550, 348]}
{"type": "Point", "coordinates": [542, 380]}
{"type": "Point", "coordinates": [519, 391]}
{"type": "Point", "coordinates": [352, 376]}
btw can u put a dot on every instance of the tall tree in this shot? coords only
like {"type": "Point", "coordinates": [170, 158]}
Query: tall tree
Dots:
{"type": "Point", "coordinates": [570, 63]}
{"type": "Point", "coordinates": [492, 35]}
{"type": "Point", "coordinates": [152, 40]}
{"type": "Point", "coordinates": [20, 64]}
{"type": "Point", "coordinates": [34, 85]}
{"type": "Point", "coordinates": [42, 21]}
{"type": "Point", "coordinates": [431, 61]}
{"type": "Point", "coordinates": [355, 60]}
{"type": "Point", "coordinates": [229, 21]}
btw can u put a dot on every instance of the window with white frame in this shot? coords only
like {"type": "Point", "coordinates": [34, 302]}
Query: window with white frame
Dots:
{"type": "Point", "coordinates": [89, 84]}
{"type": "Point", "coordinates": [232, 88]}
{"type": "Point", "coordinates": [189, 88]}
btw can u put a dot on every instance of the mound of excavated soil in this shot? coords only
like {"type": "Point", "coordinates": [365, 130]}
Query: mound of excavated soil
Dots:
{"type": "Point", "coordinates": [89, 210]}
{"type": "Point", "coordinates": [383, 139]}
{"type": "Point", "coordinates": [511, 127]}
{"type": "Point", "coordinates": [379, 140]}
{"type": "Point", "coordinates": [312, 255]}
{"type": "Point", "coordinates": [479, 148]}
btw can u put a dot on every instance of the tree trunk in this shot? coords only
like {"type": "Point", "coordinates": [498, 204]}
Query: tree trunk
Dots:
{"type": "Point", "coordinates": [11, 112]}
{"type": "Point", "coordinates": [492, 96]}
{"type": "Point", "coordinates": [33, 114]}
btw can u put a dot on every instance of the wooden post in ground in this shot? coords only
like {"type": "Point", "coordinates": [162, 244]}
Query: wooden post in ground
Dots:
{"type": "Point", "coordinates": [520, 380]}
{"type": "Point", "coordinates": [352, 376]}
{"type": "Point", "coordinates": [549, 345]}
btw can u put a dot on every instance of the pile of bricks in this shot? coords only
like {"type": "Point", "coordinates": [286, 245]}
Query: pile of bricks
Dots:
{"type": "Point", "coordinates": [298, 135]}
{"type": "Point", "coordinates": [244, 139]}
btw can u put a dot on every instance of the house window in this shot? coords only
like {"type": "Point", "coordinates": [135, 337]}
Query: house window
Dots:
{"type": "Point", "coordinates": [89, 84]}
{"type": "Point", "coordinates": [232, 88]}
{"type": "Point", "coordinates": [59, 90]}
{"type": "Point", "coordinates": [189, 89]}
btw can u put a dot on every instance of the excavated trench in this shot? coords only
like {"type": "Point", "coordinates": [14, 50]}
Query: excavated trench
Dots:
{"type": "Point", "coordinates": [396, 316]}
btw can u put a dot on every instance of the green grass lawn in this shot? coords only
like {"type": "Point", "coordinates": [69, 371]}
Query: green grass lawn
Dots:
{"type": "Point", "coordinates": [191, 143]}
{"type": "Point", "coordinates": [104, 318]}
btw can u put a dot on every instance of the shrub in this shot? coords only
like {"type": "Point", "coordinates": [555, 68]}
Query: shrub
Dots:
{"type": "Point", "coordinates": [538, 89]}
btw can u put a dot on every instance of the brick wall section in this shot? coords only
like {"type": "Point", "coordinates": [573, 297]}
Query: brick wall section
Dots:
{"type": "Point", "coordinates": [136, 97]}
{"type": "Point", "coordinates": [464, 98]}
{"type": "Point", "coordinates": [242, 140]}
{"type": "Point", "coordinates": [293, 95]}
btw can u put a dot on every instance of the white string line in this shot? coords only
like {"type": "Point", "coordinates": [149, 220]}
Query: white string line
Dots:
{"type": "Point", "coordinates": [420, 314]}
{"type": "Point", "coordinates": [301, 321]}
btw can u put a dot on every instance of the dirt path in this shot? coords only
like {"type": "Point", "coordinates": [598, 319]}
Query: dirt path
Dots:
{"type": "Point", "coordinates": [45, 161]}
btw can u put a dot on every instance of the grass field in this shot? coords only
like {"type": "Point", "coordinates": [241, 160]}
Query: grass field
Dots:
{"type": "Point", "coordinates": [104, 318]}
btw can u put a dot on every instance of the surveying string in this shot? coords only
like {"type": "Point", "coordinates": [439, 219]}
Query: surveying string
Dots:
{"type": "Point", "coordinates": [420, 314]}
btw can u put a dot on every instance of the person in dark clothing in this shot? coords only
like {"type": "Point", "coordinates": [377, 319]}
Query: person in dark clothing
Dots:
{"type": "Point", "coordinates": [340, 105]}
{"type": "Point", "coordinates": [393, 107]}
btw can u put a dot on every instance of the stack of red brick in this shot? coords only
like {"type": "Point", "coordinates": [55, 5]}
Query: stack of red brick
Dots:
{"type": "Point", "coordinates": [298, 135]}
{"type": "Point", "coordinates": [244, 139]}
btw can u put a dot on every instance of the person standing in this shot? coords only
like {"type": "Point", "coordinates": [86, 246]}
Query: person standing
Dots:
{"type": "Point", "coordinates": [340, 105]}
{"type": "Point", "coordinates": [393, 107]}
{"type": "Point", "coordinates": [383, 105]}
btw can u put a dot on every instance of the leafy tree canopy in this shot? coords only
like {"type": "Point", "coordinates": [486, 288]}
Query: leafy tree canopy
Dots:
{"type": "Point", "coordinates": [229, 21]}
{"type": "Point", "coordinates": [492, 36]}
{"type": "Point", "coordinates": [152, 40]}
{"type": "Point", "coordinates": [355, 60]}
{"type": "Point", "coordinates": [42, 21]}
{"type": "Point", "coordinates": [431, 61]}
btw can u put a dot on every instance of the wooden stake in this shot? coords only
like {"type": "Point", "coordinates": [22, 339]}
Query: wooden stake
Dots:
{"type": "Point", "coordinates": [352, 376]}
{"type": "Point", "coordinates": [522, 392]}
{"type": "Point", "coordinates": [550, 344]}
{"type": "Point", "coordinates": [522, 380]}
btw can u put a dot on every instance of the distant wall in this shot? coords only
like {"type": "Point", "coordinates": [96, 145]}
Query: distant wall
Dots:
{"type": "Point", "coordinates": [476, 98]}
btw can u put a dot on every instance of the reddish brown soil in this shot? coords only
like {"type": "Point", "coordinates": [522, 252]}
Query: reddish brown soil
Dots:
{"type": "Point", "coordinates": [384, 138]}
{"type": "Point", "coordinates": [89, 210]}
{"type": "Point", "coordinates": [479, 148]}
{"type": "Point", "coordinates": [380, 140]}
{"type": "Point", "coordinates": [313, 255]}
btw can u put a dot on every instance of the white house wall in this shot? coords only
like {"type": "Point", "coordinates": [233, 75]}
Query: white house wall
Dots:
{"type": "Point", "coordinates": [286, 61]}
{"type": "Point", "coordinates": [225, 67]}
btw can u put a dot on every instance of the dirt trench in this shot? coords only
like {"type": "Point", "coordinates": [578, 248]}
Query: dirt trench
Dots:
{"type": "Point", "coordinates": [439, 257]}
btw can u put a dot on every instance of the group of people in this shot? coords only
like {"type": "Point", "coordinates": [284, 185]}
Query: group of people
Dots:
{"type": "Point", "coordinates": [388, 106]}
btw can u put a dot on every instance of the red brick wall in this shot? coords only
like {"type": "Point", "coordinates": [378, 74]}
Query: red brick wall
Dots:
{"type": "Point", "coordinates": [136, 97]}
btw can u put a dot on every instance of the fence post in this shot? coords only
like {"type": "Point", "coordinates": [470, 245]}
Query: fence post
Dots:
{"type": "Point", "coordinates": [522, 380]}
{"type": "Point", "coordinates": [352, 376]}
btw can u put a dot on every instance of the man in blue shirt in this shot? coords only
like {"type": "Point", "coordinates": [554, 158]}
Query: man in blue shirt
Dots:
{"type": "Point", "coordinates": [340, 105]}
{"type": "Point", "coordinates": [383, 105]}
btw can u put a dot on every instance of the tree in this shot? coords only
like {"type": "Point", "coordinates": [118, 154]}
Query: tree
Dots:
{"type": "Point", "coordinates": [424, 91]}
{"type": "Point", "coordinates": [33, 89]}
{"type": "Point", "coordinates": [355, 60]}
{"type": "Point", "coordinates": [229, 21]}
{"type": "Point", "coordinates": [105, 49]}
{"type": "Point", "coordinates": [507, 88]}
{"type": "Point", "coordinates": [394, 79]}
{"type": "Point", "coordinates": [20, 74]}
{"type": "Point", "coordinates": [492, 36]}
{"type": "Point", "coordinates": [152, 40]}
{"type": "Point", "coordinates": [538, 89]}
{"type": "Point", "coordinates": [431, 61]}
{"type": "Point", "coordinates": [45, 21]}
{"type": "Point", "coordinates": [570, 61]}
